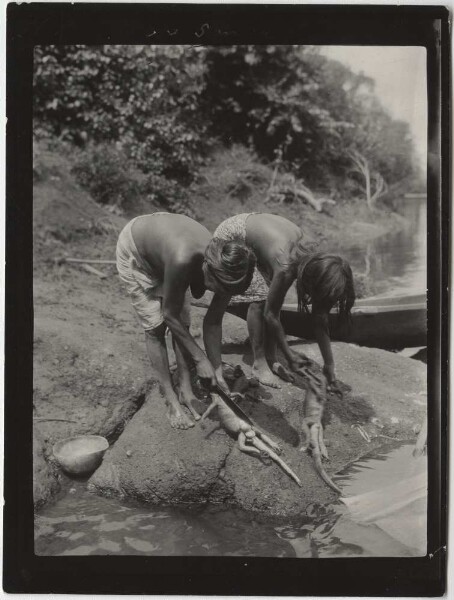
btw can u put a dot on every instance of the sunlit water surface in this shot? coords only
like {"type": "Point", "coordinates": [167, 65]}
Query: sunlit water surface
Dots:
{"type": "Point", "coordinates": [81, 523]}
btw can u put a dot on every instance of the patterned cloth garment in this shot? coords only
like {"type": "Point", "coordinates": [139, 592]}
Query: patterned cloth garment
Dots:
{"type": "Point", "coordinates": [234, 229]}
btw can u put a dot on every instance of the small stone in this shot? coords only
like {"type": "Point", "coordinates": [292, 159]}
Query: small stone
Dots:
{"type": "Point", "coordinates": [56, 361]}
{"type": "Point", "coordinates": [104, 402]}
{"type": "Point", "coordinates": [72, 491]}
{"type": "Point", "coordinates": [128, 453]}
{"type": "Point", "coordinates": [394, 420]}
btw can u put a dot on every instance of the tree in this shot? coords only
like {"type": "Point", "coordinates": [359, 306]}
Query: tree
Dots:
{"type": "Point", "coordinates": [312, 109]}
{"type": "Point", "coordinates": [361, 165]}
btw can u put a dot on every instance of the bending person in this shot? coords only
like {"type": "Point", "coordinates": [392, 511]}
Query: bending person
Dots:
{"type": "Point", "coordinates": [322, 281]}
{"type": "Point", "coordinates": [160, 257]}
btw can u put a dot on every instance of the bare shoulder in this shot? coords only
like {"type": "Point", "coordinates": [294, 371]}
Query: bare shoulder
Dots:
{"type": "Point", "coordinates": [170, 239]}
{"type": "Point", "coordinates": [273, 225]}
{"type": "Point", "coordinates": [169, 224]}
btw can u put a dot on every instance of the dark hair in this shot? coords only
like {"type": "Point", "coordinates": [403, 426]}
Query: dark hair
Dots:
{"type": "Point", "coordinates": [231, 264]}
{"type": "Point", "coordinates": [325, 280]}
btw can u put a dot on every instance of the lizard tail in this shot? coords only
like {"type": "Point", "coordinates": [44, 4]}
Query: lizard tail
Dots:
{"type": "Point", "coordinates": [316, 455]}
{"type": "Point", "coordinates": [324, 475]}
{"type": "Point", "coordinates": [262, 446]}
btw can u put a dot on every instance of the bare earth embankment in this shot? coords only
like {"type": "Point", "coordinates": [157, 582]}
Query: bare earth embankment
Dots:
{"type": "Point", "coordinates": [91, 372]}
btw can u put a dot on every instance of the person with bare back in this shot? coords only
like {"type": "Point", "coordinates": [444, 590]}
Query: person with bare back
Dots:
{"type": "Point", "coordinates": [160, 257]}
{"type": "Point", "coordinates": [323, 281]}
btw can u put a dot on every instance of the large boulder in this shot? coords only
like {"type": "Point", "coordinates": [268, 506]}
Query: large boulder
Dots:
{"type": "Point", "coordinates": [154, 463]}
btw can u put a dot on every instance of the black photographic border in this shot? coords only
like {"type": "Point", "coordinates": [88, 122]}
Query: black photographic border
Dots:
{"type": "Point", "coordinates": [40, 23]}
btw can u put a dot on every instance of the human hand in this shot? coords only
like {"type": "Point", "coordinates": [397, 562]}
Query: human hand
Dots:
{"type": "Point", "coordinates": [298, 361]}
{"type": "Point", "coordinates": [328, 372]}
{"type": "Point", "coordinates": [206, 372]}
{"type": "Point", "coordinates": [222, 383]}
{"type": "Point", "coordinates": [333, 384]}
{"type": "Point", "coordinates": [279, 370]}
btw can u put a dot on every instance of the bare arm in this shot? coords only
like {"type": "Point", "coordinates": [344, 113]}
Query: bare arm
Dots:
{"type": "Point", "coordinates": [212, 328]}
{"type": "Point", "coordinates": [278, 289]}
{"type": "Point", "coordinates": [212, 335]}
{"type": "Point", "coordinates": [176, 283]}
{"type": "Point", "coordinates": [324, 342]}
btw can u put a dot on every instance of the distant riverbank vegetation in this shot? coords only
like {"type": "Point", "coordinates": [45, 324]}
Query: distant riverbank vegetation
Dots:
{"type": "Point", "coordinates": [141, 123]}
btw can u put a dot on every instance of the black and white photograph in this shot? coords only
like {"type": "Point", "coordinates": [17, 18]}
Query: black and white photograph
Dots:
{"type": "Point", "coordinates": [230, 299]}
{"type": "Point", "coordinates": [199, 194]}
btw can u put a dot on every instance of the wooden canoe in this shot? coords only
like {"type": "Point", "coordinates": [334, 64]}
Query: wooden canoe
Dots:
{"type": "Point", "coordinates": [389, 323]}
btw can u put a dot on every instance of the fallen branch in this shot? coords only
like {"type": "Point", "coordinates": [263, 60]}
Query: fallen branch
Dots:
{"type": "Point", "coordinates": [94, 271]}
{"type": "Point", "coordinates": [44, 419]}
{"type": "Point", "coordinates": [91, 261]}
{"type": "Point", "coordinates": [310, 199]}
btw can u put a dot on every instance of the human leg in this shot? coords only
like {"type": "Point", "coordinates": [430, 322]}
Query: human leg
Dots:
{"type": "Point", "coordinates": [184, 363]}
{"type": "Point", "coordinates": [185, 393]}
{"type": "Point", "coordinates": [157, 353]}
{"type": "Point", "coordinates": [256, 328]}
{"type": "Point", "coordinates": [142, 285]}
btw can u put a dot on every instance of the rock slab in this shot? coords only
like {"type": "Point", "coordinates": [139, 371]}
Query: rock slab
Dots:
{"type": "Point", "coordinates": [156, 464]}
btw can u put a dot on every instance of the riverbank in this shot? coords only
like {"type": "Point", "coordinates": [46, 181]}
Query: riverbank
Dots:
{"type": "Point", "coordinates": [233, 182]}
{"type": "Point", "coordinates": [91, 373]}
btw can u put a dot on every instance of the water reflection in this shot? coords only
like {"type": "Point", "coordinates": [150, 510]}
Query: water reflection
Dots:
{"type": "Point", "coordinates": [386, 513]}
{"type": "Point", "coordinates": [396, 262]}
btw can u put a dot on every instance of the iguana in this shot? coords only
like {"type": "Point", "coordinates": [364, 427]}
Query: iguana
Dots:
{"type": "Point", "coordinates": [312, 423]}
{"type": "Point", "coordinates": [251, 439]}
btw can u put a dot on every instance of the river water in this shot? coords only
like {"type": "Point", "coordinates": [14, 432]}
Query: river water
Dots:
{"type": "Point", "coordinates": [81, 523]}
{"type": "Point", "coordinates": [396, 262]}
{"type": "Point", "coordinates": [390, 520]}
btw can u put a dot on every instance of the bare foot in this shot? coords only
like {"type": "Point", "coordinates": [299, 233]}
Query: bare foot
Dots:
{"type": "Point", "coordinates": [279, 370]}
{"type": "Point", "coordinates": [186, 399]}
{"type": "Point", "coordinates": [177, 418]}
{"type": "Point", "coordinates": [266, 377]}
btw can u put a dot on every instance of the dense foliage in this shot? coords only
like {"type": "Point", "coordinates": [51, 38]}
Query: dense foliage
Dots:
{"type": "Point", "coordinates": [145, 98]}
{"type": "Point", "coordinates": [160, 108]}
{"type": "Point", "coordinates": [312, 108]}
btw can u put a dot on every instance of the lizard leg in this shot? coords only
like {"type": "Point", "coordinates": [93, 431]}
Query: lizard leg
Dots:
{"type": "Point", "coordinates": [306, 436]}
{"type": "Point", "coordinates": [321, 443]}
{"type": "Point", "coordinates": [246, 448]}
{"type": "Point", "coordinates": [208, 410]}
{"type": "Point", "coordinates": [273, 445]}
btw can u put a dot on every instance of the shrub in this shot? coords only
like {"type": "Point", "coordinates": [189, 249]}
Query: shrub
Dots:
{"type": "Point", "coordinates": [108, 175]}
{"type": "Point", "coordinates": [111, 178]}
{"type": "Point", "coordinates": [168, 195]}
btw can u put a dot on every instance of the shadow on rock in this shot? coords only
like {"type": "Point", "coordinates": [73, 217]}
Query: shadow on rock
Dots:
{"type": "Point", "coordinates": [351, 409]}
{"type": "Point", "coordinates": [271, 420]}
